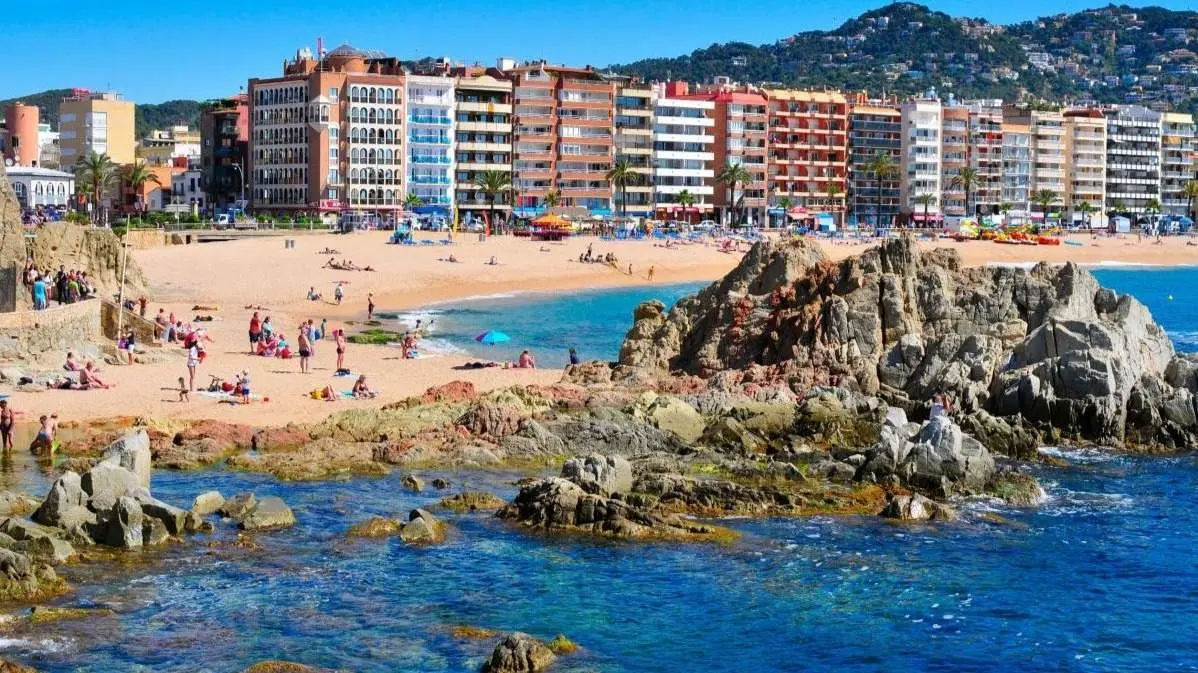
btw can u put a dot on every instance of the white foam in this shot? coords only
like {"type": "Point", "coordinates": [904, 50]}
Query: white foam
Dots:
{"type": "Point", "coordinates": [1114, 263]}
{"type": "Point", "coordinates": [439, 348]}
{"type": "Point", "coordinates": [41, 645]}
{"type": "Point", "coordinates": [478, 297]}
{"type": "Point", "coordinates": [1086, 455]}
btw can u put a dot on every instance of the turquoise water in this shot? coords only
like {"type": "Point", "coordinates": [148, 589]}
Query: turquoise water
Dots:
{"type": "Point", "coordinates": [1100, 578]}
{"type": "Point", "coordinates": [593, 322]}
{"type": "Point", "coordinates": [1170, 293]}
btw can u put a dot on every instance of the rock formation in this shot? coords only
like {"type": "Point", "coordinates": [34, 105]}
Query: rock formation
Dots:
{"type": "Point", "coordinates": [96, 251]}
{"type": "Point", "coordinates": [519, 653]}
{"type": "Point", "coordinates": [1026, 355]}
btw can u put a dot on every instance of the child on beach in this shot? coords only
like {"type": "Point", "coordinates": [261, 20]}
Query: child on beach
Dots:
{"type": "Point", "coordinates": [7, 418]}
{"type": "Point", "coordinates": [338, 294]}
{"type": "Point", "coordinates": [243, 386]}
{"type": "Point", "coordinates": [45, 434]}
{"type": "Point", "coordinates": [184, 393]}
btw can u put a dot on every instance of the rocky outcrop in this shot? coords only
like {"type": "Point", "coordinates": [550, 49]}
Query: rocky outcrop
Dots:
{"type": "Point", "coordinates": [267, 513]}
{"type": "Point", "coordinates": [936, 458]}
{"type": "Point", "coordinates": [96, 251]}
{"type": "Point", "coordinates": [1045, 350]}
{"type": "Point", "coordinates": [420, 528]}
{"type": "Point", "coordinates": [602, 475]}
{"type": "Point", "coordinates": [916, 507]}
{"type": "Point", "coordinates": [472, 501]}
{"type": "Point", "coordinates": [519, 653]}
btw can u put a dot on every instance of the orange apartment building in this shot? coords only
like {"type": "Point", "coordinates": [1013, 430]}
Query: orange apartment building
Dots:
{"type": "Point", "coordinates": [740, 138]}
{"type": "Point", "coordinates": [328, 134]}
{"type": "Point", "coordinates": [564, 131]}
{"type": "Point", "coordinates": [954, 156]}
{"type": "Point", "coordinates": [808, 150]}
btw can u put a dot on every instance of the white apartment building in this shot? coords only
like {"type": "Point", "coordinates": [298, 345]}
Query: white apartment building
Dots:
{"type": "Point", "coordinates": [187, 191]}
{"type": "Point", "coordinates": [986, 158]}
{"type": "Point", "coordinates": [1133, 158]}
{"type": "Point", "coordinates": [1085, 154]}
{"type": "Point", "coordinates": [1178, 148]}
{"type": "Point", "coordinates": [1016, 168]}
{"type": "Point", "coordinates": [1048, 155]}
{"type": "Point", "coordinates": [37, 186]}
{"type": "Point", "coordinates": [921, 158]}
{"type": "Point", "coordinates": [483, 140]}
{"type": "Point", "coordinates": [683, 153]}
{"type": "Point", "coordinates": [431, 161]}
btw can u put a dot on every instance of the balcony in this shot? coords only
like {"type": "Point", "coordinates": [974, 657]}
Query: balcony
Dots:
{"type": "Point", "coordinates": [434, 121]}
{"type": "Point", "coordinates": [428, 140]}
{"type": "Point", "coordinates": [424, 159]}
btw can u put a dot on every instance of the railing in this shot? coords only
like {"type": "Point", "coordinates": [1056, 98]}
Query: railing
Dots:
{"type": "Point", "coordinates": [417, 159]}
{"type": "Point", "coordinates": [429, 140]}
{"type": "Point", "coordinates": [421, 119]}
{"type": "Point", "coordinates": [422, 180]}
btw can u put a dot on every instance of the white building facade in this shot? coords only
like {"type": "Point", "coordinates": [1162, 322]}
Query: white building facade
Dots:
{"type": "Point", "coordinates": [921, 158]}
{"type": "Point", "coordinates": [36, 186]}
{"type": "Point", "coordinates": [1133, 159]}
{"type": "Point", "coordinates": [683, 153]}
{"type": "Point", "coordinates": [431, 164]}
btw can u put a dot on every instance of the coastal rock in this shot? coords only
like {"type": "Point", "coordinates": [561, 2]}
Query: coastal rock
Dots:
{"type": "Point", "coordinates": [670, 414]}
{"type": "Point", "coordinates": [472, 501]}
{"type": "Point", "coordinates": [376, 526]}
{"type": "Point", "coordinates": [917, 508]}
{"type": "Point", "coordinates": [36, 541]}
{"type": "Point", "coordinates": [519, 653]}
{"type": "Point", "coordinates": [65, 496]}
{"type": "Point", "coordinates": [125, 528]}
{"type": "Point", "coordinates": [207, 503]}
{"type": "Point", "coordinates": [939, 460]}
{"type": "Point", "coordinates": [237, 506]}
{"type": "Point", "coordinates": [610, 432]}
{"type": "Point", "coordinates": [413, 483]}
{"type": "Point", "coordinates": [532, 440]}
{"type": "Point", "coordinates": [154, 532]}
{"type": "Point", "coordinates": [17, 504]}
{"type": "Point", "coordinates": [106, 482]}
{"type": "Point", "coordinates": [602, 475]}
{"type": "Point", "coordinates": [275, 666]}
{"type": "Point", "coordinates": [270, 512]}
{"type": "Point", "coordinates": [557, 504]}
{"type": "Point", "coordinates": [132, 452]}
{"type": "Point", "coordinates": [422, 528]}
{"type": "Point", "coordinates": [711, 497]}
{"type": "Point", "coordinates": [454, 391]}
{"type": "Point", "coordinates": [441, 484]}
{"type": "Point", "coordinates": [173, 518]}
{"type": "Point", "coordinates": [319, 459]}
{"type": "Point", "coordinates": [7, 666]}
{"type": "Point", "coordinates": [1047, 345]}
{"type": "Point", "coordinates": [593, 373]}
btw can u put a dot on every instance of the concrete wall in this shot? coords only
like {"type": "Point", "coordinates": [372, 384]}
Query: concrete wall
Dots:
{"type": "Point", "coordinates": [145, 330]}
{"type": "Point", "coordinates": [31, 334]}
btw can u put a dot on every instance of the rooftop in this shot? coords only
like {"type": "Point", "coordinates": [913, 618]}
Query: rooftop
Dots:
{"type": "Point", "coordinates": [37, 172]}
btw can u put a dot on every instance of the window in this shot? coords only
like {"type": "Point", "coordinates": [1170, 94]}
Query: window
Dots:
{"type": "Point", "coordinates": [333, 153]}
{"type": "Point", "coordinates": [334, 133]}
{"type": "Point", "coordinates": [333, 94]}
{"type": "Point", "coordinates": [332, 193]}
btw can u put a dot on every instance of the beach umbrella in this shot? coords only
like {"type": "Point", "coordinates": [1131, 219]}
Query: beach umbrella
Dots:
{"type": "Point", "coordinates": [492, 337]}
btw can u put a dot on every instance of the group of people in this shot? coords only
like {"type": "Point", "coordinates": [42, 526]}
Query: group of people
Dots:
{"type": "Point", "coordinates": [589, 257]}
{"type": "Point", "coordinates": [345, 265]}
{"type": "Point", "coordinates": [64, 286]}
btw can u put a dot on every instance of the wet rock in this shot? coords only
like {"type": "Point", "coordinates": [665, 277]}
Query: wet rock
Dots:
{"type": "Point", "coordinates": [1017, 488]}
{"type": "Point", "coordinates": [7, 666]}
{"type": "Point", "coordinates": [730, 434]}
{"type": "Point", "coordinates": [834, 471]}
{"type": "Point", "coordinates": [270, 512]}
{"type": "Point", "coordinates": [532, 440]}
{"type": "Point", "coordinates": [916, 507]}
{"type": "Point", "coordinates": [472, 501]}
{"type": "Point", "coordinates": [603, 475]}
{"type": "Point", "coordinates": [423, 528]}
{"type": "Point", "coordinates": [174, 518]}
{"type": "Point", "coordinates": [17, 504]}
{"type": "Point", "coordinates": [441, 484]}
{"type": "Point", "coordinates": [65, 495]}
{"type": "Point", "coordinates": [207, 503]}
{"type": "Point", "coordinates": [237, 506]}
{"type": "Point", "coordinates": [519, 653]}
{"type": "Point", "coordinates": [154, 532]}
{"type": "Point", "coordinates": [132, 452]}
{"type": "Point", "coordinates": [36, 541]}
{"type": "Point", "coordinates": [680, 493]}
{"type": "Point", "coordinates": [320, 459]}
{"type": "Point", "coordinates": [44, 614]}
{"type": "Point", "coordinates": [939, 460]}
{"type": "Point", "coordinates": [413, 483]}
{"type": "Point", "coordinates": [107, 482]}
{"type": "Point", "coordinates": [280, 667]}
{"type": "Point", "coordinates": [376, 526]}
{"type": "Point", "coordinates": [125, 529]}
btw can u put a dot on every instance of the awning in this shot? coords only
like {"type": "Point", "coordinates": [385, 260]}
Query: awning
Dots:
{"type": "Point", "coordinates": [930, 217]}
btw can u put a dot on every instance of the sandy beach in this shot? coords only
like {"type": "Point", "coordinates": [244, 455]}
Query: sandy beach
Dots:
{"type": "Point", "coordinates": [262, 272]}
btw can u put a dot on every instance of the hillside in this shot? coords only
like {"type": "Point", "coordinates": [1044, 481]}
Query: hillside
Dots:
{"type": "Point", "coordinates": [148, 115]}
{"type": "Point", "coordinates": [1113, 54]}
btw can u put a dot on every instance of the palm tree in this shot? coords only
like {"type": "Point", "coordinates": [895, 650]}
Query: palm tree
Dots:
{"type": "Point", "coordinates": [1191, 193]}
{"type": "Point", "coordinates": [136, 175]}
{"type": "Point", "coordinates": [492, 184]}
{"type": "Point", "coordinates": [621, 175]}
{"type": "Point", "coordinates": [833, 190]}
{"type": "Point", "coordinates": [1153, 208]}
{"type": "Point", "coordinates": [965, 179]}
{"type": "Point", "coordinates": [686, 200]}
{"type": "Point", "coordinates": [412, 201]}
{"type": "Point", "coordinates": [94, 174]}
{"type": "Point", "coordinates": [1044, 198]}
{"type": "Point", "coordinates": [552, 198]}
{"type": "Point", "coordinates": [731, 176]}
{"type": "Point", "coordinates": [883, 168]}
{"type": "Point", "coordinates": [925, 200]}
{"type": "Point", "coordinates": [1085, 209]}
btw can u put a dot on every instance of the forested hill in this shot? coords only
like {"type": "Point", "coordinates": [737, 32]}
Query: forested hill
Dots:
{"type": "Point", "coordinates": [148, 115]}
{"type": "Point", "coordinates": [1112, 54]}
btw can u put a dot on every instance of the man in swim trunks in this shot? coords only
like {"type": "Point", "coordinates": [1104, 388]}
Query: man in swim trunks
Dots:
{"type": "Point", "coordinates": [7, 418]}
{"type": "Point", "coordinates": [305, 348]}
{"type": "Point", "coordinates": [255, 332]}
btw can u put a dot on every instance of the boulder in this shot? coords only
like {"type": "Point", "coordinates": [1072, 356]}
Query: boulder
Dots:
{"type": "Point", "coordinates": [132, 452]}
{"type": "Point", "coordinates": [17, 504]}
{"type": "Point", "coordinates": [519, 653]}
{"type": "Point", "coordinates": [532, 440]}
{"type": "Point", "coordinates": [237, 506]}
{"type": "Point", "coordinates": [37, 541]}
{"type": "Point", "coordinates": [916, 507]}
{"type": "Point", "coordinates": [422, 528]}
{"type": "Point", "coordinates": [207, 503]}
{"type": "Point", "coordinates": [65, 495]}
{"type": "Point", "coordinates": [413, 483]}
{"type": "Point", "coordinates": [125, 528]}
{"type": "Point", "coordinates": [939, 460]}
{"type": "Point", "coordinates": [441, 484]}
{"type": "Point", "coordinates": [107, 482]}
{"type": "Point", "coordinates": [670, 414]}
{"type": "Point", "coordinates": [604, 475]}
{"type": "Point", "coordinates": [154, 532]}
{"type": "Point", "coordinates": [376, 526]}
{"type": "Point", "coordinates": [269, 512]}
{"type": "Point", "coordinates": [472, 501]}
{"type": "Point", "coordinates": [173, 518]}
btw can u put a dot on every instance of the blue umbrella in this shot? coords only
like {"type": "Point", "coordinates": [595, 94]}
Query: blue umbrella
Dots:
{"type": "Point", "coordinates": [492, 337]}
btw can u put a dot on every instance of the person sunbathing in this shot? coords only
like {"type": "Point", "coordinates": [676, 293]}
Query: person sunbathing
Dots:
{"type": "Point", "coordinates": [361, 390]}
{"type": "Point", "coordinates": [89, 378]}
{"type": "Point", "coordinates": [526, 361]}
{"type": "Point", "coordinates": [71, 365]}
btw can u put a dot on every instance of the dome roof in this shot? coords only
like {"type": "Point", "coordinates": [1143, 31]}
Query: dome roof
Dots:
{"type": "Point", "coordinates": [347, 50]}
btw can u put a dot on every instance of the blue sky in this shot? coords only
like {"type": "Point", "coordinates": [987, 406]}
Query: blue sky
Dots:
{"type": "Point", "coordinates": [189, 49]}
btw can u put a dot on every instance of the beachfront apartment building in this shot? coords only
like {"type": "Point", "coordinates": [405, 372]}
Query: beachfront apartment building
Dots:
{"type": "Point", "coordinates": [430, 103]}
{"type": "Point", "coordinates": [986, 159]}
{"type": "Point", "coordinates": [99, 122]}
{"type": "Point", "coordinates": [224, 148]}
{"type": "Point", "coordinates": [875, 130]}
{"type": "Point", "coordinates": [741, 138]}
{"type": "Point", "coordinates": [483, 143]}
{"type": "Point", "coordinates": [1048, 155]}
{"type": "Point", "coordinates": [920, 170]}
{"type": "Point", "coordinates": [683, 154]}
{"type": "Point", "coordinates": [565, 136]}
{"type": "Point", "coordinates": [1085, 141]}
{"type": "Point", "coordinates": [634, 146]}
{"type": "Point", "coordinates": [1133, 159]}
{"type": "Point", "coordinates": [328, 134]}
{"type": "Point", "coordinates": [954, 157]}
{"type": "Point", "coordinates": [808, 148]}
{"type": "Point", "coordinates": [1016, 168]}
{"type": "Point", "coordinates": [1179, 152]}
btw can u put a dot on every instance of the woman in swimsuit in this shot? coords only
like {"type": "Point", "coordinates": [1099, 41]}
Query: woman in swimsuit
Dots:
{"type": "Point", "coordinates": [6, 423]}
{"type": "Point", "coordinates": [339, 339]}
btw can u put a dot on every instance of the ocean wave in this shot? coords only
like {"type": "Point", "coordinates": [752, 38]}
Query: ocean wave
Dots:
{"type": "Point", "coordinates": [440, 348]}
{"type": "Point", "coordinates": [425, 316]}
{"type": "Point", "coordinates": [36, 645]}
{"type": "Point", "coordinates": [1087, 456]}
{"type": "Point", "coordinates": [1186, 341]}
{"type": "Point", "coordinates": [1115, 263]}
{"type": "Point", "coordinates": [478, 297]}
{"type": "Point", "coordinates": [1063, 501]}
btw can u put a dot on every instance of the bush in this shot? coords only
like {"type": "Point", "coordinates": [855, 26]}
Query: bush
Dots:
{"type": "Point", "coordinates": [119, 230]}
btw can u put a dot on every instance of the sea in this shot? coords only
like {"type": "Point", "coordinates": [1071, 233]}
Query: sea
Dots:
{"type": "Point", "coordinates": [1101, 577]}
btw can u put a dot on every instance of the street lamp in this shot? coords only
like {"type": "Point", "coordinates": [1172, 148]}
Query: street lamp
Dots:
{"type": "Point", "coordinates": [240, 172]}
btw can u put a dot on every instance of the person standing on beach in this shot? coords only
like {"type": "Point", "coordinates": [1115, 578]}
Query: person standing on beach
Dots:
{"type": "Point", "coordinates": [255, 332]}
{"type": "Point", "coordinates": [338, 294]}
{"type": "Point", "coordinates": [652, 270]}
{"type": "Point", "coordinates": [370, 306]}
{"type": "Point", "coordinates": [39, 294]}
{"type": "Point", "coordinates": [7, 418]}
{"type": "Point", "coordinates": [305, 348]}
{"type": "Point", "coordinates": [193, 361]}
{"type": "Point", "coordinates": [339, 339]}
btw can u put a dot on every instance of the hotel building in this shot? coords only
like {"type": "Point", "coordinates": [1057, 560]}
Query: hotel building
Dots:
{"type": "Point", "coordinates": [874, 130]}
{"type": "Point", "coordinates": [741, 115]}
{"type": "Point", "coordinates": [683, 153]}
{"type": "Point", "coordinates": [986, 159]}
{"type": "Point", "coordinates": [1048, 153]}
{"type": "Point", "coordinates": [634, 145]}
{"type": "Point", "coordinates": [1133, 158]}
{"type": "Point", "coordinates": [1016, 168]}
{"type": "Point", "coordinates": [565, 134]}
{"type": "Point", "coordinates": [808, 148]}
{"type": "Point", "coordinates": [96, 122]}
{"type": "Point", "coordinates": [954, 148]}
{"type": "Point", "coordinates": [1085, 153]}
{"type": "Point", "coordinates": [1179, 151]}
{"type": "Point", "coordinates": [920, 171]}
{"type": "Point", "coordinates": [484, 139]}
{"type": "Point", "coordinates": [430, 103]}
{"type": "Point", "coordinates": [224, 148]}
